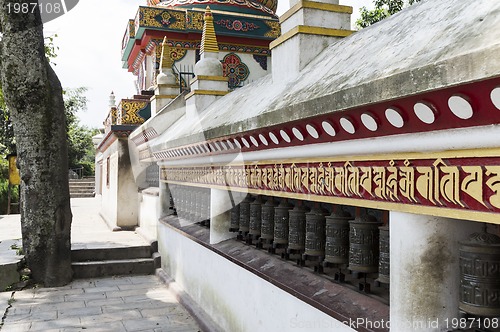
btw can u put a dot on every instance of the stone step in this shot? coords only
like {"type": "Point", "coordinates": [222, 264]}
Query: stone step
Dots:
{"type": "Point", "coordinates": [84, 255]}
{"type": "Point", "coordinates": [93, 269]}
{"type": "Point", "coordinates": [81, 191]}
{"type": "Point", "coordinates": [81, 195]}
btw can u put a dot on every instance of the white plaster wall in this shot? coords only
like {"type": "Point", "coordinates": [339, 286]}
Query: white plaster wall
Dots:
{"type": "Point", "coordinates": [149, 212]}
{"type": "Point", "coordinates": [109, 199]}
{"type": "Point", "coordinates": [236, 299]}
{"type": "Point", "coordinates": [425, 275]}
{"type": "Point", "coordinates": [256, 70]}
{"type": "Point", "coordinates": [119, 199]}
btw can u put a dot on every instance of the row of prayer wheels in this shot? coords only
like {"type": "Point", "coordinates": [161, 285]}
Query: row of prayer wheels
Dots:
{"type": "Point", "coordinates": [191, 204]}
{"type": "Point", "coordinates": [329, 238]}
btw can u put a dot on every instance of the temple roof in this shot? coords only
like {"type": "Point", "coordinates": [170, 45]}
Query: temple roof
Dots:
{"type": "Point", "coordinates": [245, 6]}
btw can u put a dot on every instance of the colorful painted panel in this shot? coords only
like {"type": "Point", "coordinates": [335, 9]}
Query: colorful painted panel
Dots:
{"type": "Point", "coordinates": [235, 70]}
{"type": "Point", "coordinates": [133, 112]}
{"type": "Point", "coordinates": [467, 187]}
{"type": "Point", "coordinates": [160, 18]}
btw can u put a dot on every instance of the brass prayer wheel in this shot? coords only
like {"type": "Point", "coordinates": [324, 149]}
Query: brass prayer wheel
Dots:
{"type": "Point", "coordinates": [234, 225]}
{"type": "Point", "coordinates": [315, 233]}
{"type": "Point", "coordinates": [364, 244]}
{"type": "Point", "coordinates": [297, 228]}
{"type": "Point", "coordinates": [267, 226]}
{"type": "Point", "coordinates": [337, 237]}
{"type": "Point", "coordinates": [245, 215]}
{"type": "Point", "coordinates": [281, 223]}
{"type": "Point", "coordinates": [255, 216]}
{"type": "Point", "coordinates": [480, 275]}
{"type": "Point", "coordinates": [384, 266]}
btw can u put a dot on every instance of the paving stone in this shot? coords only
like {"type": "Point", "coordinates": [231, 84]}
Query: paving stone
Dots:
{"type": "Point", "coordinates": [110, 317]}
{"type": "Point", "coordinates": [128, 306]}
{"type": "Point", "coordinates": [85, 297]}
{"type": "Point", "coordinates": [102, 302]}
{"type": "Point", "coordinates": [58, 306]}
{"type": "Point", "coordinates": [87, 311]}
{"type": "Point", "coordinates": [164, 311]}
{"type": "Point", "coordinates": [103, 289]}
{"type": "Point", "coordinates": [145, 323]}
{"type": "Point", "coordinates": [56, 324]}
{"type": "Point", "coordinates": [32, 317]}
{"type": "Point", "coordinates": [16, 327]}
{"type": "Point", "coordinates": [113, 281]}
{"type": "Point", "coordinates": [109, 327]}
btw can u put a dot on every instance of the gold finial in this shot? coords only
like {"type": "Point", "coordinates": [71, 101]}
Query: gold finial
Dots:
{"type": "Point", "coordinates": [208, 39]}
{"type": "Point", "coordinates": [165, 61]}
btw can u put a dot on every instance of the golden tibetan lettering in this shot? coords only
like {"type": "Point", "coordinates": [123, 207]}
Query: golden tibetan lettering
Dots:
{"type": "Point", "coordinates": [494, 184]}
{"type": "Point", "coordinates": [452, 183]}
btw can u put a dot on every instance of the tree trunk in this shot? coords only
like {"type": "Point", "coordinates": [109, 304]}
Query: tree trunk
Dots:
{"type": "Point", "coordinates": [33, 95]}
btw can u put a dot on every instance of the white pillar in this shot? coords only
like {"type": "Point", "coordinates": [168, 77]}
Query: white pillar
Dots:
{"type": "Point", "coordinates": [424, 270]}
{"type": "Point", "coordinates": [220, 216]}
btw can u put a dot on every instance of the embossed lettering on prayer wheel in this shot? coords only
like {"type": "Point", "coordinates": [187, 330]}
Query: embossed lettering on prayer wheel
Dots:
{"type": "Point", "coordinates": [337, 238]}
{"type": "Point", "coordinates": [480, 275]}
{"type": "Point", "coordinates": [281, 223]}
{"type": "Point", "coordinates": [255, 216]}
{"type": "Point", "coordinates": [364, 244]}
{"type": "Point", "coordinates": [297, 228]}
{"type": "Point", "coordinates": [245, 215]}
{"type": "Point", "coordinates": [384, 265]}
{"type": "Point", "coordinates": [267, 227]}
{"type": "Point", "coordinates": [315, 233]}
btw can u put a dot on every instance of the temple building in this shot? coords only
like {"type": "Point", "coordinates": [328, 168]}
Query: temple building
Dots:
{"type": "Point", "coordinates": [299, 175]}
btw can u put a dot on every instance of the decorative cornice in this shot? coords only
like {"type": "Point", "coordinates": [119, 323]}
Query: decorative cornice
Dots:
{"type": "Point", "coordinates": [206, 93]}
{"type": "Point", "coordinates": [210, 78]}
{"type": "Point", "coordinates": [309, 30]}
{"type": "Point", "coordinates": [315, 5]}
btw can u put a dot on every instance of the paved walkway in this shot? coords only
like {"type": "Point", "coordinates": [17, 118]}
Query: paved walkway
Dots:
{"type": "Point", "coordinates": [129, 303]}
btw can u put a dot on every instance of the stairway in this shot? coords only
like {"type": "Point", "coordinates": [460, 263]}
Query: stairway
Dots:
{"type": "Point", "coordinates": [81, 188]}
{"type": "Point", "coordinates": [92, 263]}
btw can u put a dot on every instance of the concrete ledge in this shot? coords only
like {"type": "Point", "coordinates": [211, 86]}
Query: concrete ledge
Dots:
{"type": "Point", "coordinates": [207, 93]}
{"type": "Point", "coordinates": [309, 30]}
{"type": "Point", "coordinates": [315, 5]}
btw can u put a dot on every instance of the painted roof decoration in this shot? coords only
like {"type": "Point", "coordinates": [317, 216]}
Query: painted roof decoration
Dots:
{"type": "Point", "coordinates": [267, 7]}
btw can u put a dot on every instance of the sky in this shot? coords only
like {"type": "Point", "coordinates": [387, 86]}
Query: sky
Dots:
{"type": "Point", "coordinates": [89, 39]}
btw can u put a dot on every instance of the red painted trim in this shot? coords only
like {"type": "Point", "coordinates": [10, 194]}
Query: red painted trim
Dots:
{"type": "Point", "coordinates": [476, 93]}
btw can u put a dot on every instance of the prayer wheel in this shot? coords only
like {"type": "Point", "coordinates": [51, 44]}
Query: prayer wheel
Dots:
{"type": "Point", "coordinates": [198, 206]}
{"type": "Point", "coordinates": [281, 223]}
{"type": "Point", "coordinates": [480, 275]}
{"type": "Point", "coordinates": [364, 244]}
{"type": "Point", "coordinates": [315, 233]}
{"type": "Point", "coordinates": [267, 226]}
{"type": "Point", "coordinates": [245, 215]}
{"type": "Point", "coordinates": [337, 237]}
{"type": "Point", "coordinates": [235, 219]}
{"type": "Point", "coordinates": [297, 228]}
{"type": "Point", "coordinates": [255, 217]}
{"type": "Point", "coordinates": [384, 266]}
{"type": "Point", "coordinates": [191, 204]}
{"type": "Point", "coordinates": [205, 205]}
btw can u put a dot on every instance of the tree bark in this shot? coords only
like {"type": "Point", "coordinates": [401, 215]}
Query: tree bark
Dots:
{"type": "Point", "coordinates": [33, 95]}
